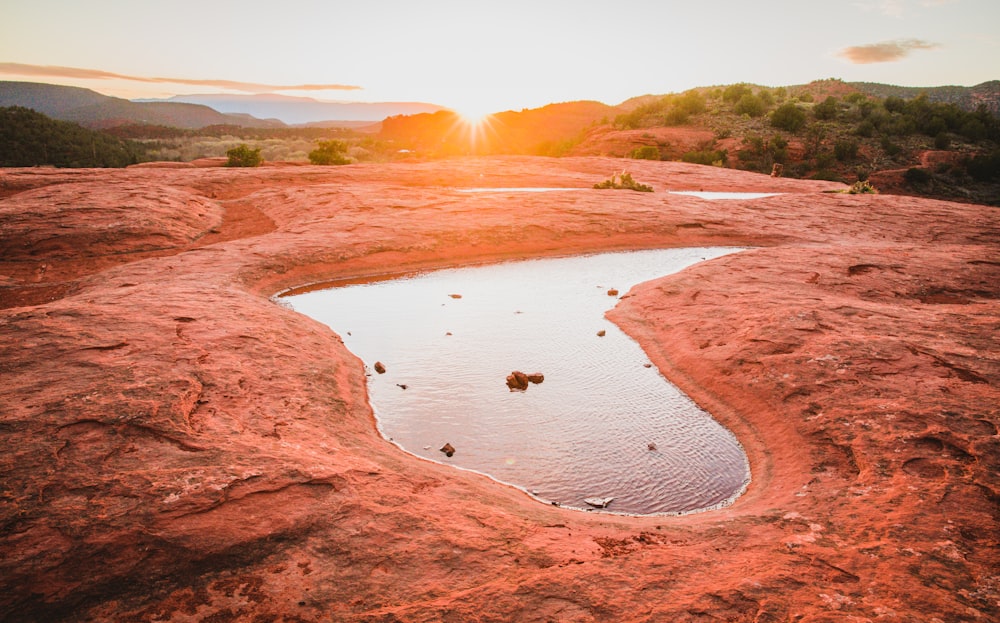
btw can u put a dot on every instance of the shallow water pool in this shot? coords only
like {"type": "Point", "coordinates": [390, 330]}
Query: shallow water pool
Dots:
{"type": "Point", "coordinates": [603, 424]}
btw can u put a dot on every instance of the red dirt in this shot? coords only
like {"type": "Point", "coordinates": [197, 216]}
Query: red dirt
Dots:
{"type": "Point", "coordinates": [180, 448]}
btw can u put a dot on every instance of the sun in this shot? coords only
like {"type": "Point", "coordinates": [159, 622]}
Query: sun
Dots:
{"type": "Point", "coordinates": [473, 115]}
{"type": "Point", "coordinates": [476, 125]}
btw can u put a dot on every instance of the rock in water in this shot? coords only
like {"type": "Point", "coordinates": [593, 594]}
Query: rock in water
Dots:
{"type": "Point", "coordinates": [598, 502]}
{"type": "Point", "coordinates": [448, 449]}
{"type": "Point", "coordinates": [379, 367]}
{"type": "Point", "coordinates": [612, 292]}
{"type": "Point", "coordinates": [517, 381]}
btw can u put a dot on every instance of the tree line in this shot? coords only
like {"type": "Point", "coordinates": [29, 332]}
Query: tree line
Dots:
{"type": "Point", "coordinates": [29, 138]}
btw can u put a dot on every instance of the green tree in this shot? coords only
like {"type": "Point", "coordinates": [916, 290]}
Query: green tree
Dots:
{"type": "Point", "coordinates": [750, 105]}
{"type": "Point", "coordinates": [788, 117]}
{"type": "Point", "coordinates": [894, 104]}
{"type": "Point", "coordinates": [244, 156]}
{"type": "Point", "coordinates": [329, 152]}
{"type": "Point", "coordinates": [734, 92]}
{"type": "Point", "coordinates": [826, 110]}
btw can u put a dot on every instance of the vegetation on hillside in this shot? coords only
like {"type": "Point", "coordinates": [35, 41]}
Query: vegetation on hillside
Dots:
{"type": "Point", "coordinates": [29, 138]}
{"type": "Point", "coordinates": [826, 130]}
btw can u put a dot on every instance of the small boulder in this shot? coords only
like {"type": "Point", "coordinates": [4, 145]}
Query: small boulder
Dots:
{"type": "Point", "coordinates": [612, 292]}
{"type": "Point", "coordinates": [379, 367]}
{"type": "Point", "coordinates": [448, 449]}
{"type": "Point", "coordinates": [602, 333]}
{"type": "Point", "coordinates": [455, 296]}
{"type": "Point", "coordinates": [517, 381]}
{"type": "Point", "coordinates": [598, 502]}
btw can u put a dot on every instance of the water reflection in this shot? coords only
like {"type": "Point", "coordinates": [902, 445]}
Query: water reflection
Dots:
{"type": "Point", "coordinates": [717, 195]}
{"type": "Point", "coordinates": [604, 423]}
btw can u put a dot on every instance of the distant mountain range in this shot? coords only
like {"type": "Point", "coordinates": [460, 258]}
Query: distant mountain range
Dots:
{"type": "Point", "coordinates": [93, 110]}
{"type": "Point", "coordinates": [303, 110]}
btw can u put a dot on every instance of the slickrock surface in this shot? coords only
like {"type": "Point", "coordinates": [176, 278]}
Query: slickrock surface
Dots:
{"type": "Point", "coordinates": [178, 447]}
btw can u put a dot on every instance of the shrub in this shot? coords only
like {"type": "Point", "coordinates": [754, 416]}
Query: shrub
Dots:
{"type": "Point", "coordinates": [973, 129]}
{"type": "Point", "coordinates": [891, 149]}
{"type": "Point", "coordinates": [734, 92]}
{"type": "Point", "coordinates": [329, 152]}
{"type": "Point", "coordinates": [934, 126]}
{"type": "Point", "coordinates": [676, 116]}
{"type": "Point", "coordinates": [941, 141]}
{"type": "Point", "coordinates": [866, 129]}
{"type": "Point", "coordinates": [845, 150]}
{"type": "Point", "coordinates": [244, 156]}
{"type": "Point", "coordinates": [691, 102]}
{"type": "Point", "coordinates": [826, 175]}
{"type": "Point", "coordinates": [826, 110]}
{"type": "Point", "coordinates": [915, 176]}
{"type": "Point", "coordinates": [625, 182]}
{"type": "Point", "coordinates": [789, 117]}
{"type": "Point", "coordinates": [984, 167]}
{"type": "Point", "coordinates": [894, 104]}
{"type": "Point", "coordinates": [750, 105]}
{"type": "Point", "coordinates": [825, 160]}
{"type": "Point", "coordinates": [714, 157]}
{"type": "Point", "coordinates": [646, 152]}
{"type": "Point", "coordinates": [862, 187]}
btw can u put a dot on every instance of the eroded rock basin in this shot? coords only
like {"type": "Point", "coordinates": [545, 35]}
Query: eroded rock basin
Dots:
{"type": "Point", "coordinates": [179, 448]}
{"type": "Point", "coordinates": [604, 423]}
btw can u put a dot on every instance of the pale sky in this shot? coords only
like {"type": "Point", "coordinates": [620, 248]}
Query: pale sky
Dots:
{"type": "Point", "coordinates": [488, 56]}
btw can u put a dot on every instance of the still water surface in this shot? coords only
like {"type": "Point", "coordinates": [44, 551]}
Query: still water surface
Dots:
{"type": "Point", "coordinates": [604, 423]}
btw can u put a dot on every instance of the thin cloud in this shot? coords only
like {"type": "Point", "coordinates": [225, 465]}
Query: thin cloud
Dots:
{"type": "Point", "coordinates": [884, 52]}
{"type": "Point", "coordinates": [77, 73]}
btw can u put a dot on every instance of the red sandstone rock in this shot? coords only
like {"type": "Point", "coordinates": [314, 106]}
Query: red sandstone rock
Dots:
{"type": "Point", "coordinates": [517, 381]}
{"type": "Point", "coordinates": [177, 447]}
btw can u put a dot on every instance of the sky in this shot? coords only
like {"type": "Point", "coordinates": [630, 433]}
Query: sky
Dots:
{"type": "Point", "coordinates": [479, 56]}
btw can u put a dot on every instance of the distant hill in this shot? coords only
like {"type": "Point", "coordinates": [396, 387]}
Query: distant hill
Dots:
{"type": "Point", "coordinates": [303, 110]}
{"type": "Point", "coordinates": [29, 138]}
{"type": "Point", "coordinates": [93, 110]}
{"type": "Point", "coordinates": [966, 98]}
{"type": "Point", "coordinates": [548, 130]}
